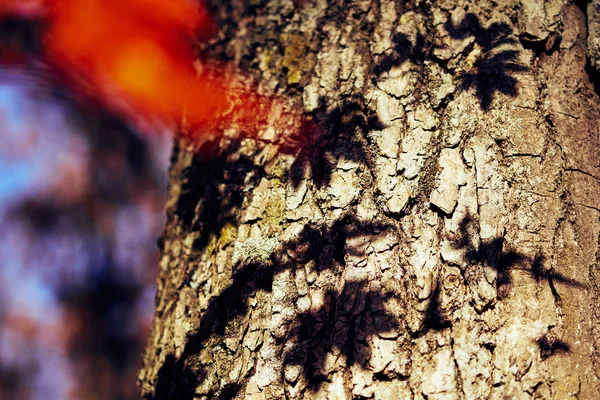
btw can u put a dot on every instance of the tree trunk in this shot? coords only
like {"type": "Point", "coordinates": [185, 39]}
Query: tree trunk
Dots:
{"type": "Point", "coordinates": [436, 233]}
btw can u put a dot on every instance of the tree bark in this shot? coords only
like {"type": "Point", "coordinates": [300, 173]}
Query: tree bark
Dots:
{"type": "Point", "coordinates": [436, 233]}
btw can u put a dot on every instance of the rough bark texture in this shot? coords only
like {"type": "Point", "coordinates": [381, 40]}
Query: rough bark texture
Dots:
{"type": "Point", "coordinates": [436, 234]}
{"type": "Point", "coordinates": [593, 14]}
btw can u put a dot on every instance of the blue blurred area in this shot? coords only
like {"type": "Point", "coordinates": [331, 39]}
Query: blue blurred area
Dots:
{"type": "Point", "coordinates": [15, 175]}
{"type": "Point", "coordinates": [81, 199]}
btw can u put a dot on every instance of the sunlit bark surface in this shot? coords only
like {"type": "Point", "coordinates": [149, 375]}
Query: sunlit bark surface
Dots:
{"type": "Point", "coordinates": [424, 224]}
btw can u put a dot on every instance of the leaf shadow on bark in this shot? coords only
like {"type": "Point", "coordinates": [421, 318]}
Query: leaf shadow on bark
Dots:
{"type": "Point", "coordinates": [340, 330]}
{"type": "Point", "coordinates": [491, 72]}
{"type": "Point", "coordinates": [434, 316]}
{"type": "Point", "coordinates": [550, 345]}
{"type": "Point", "coordinates": [211, 191]}
{"type": "Point", "coordinates": [351, 314]}
{"type": "Point", "coordinates": [178, 377]}
{"type": "Point", "coordinates": [488, 38]}
{"type": "Point", "coordinates": [491, 253]}
{"type": "Point", "coordinates": [404, 50]}
{"type": "Point", "coordinates": [342, 325]}
{"type": "Point", "coordinates": [331, 136]}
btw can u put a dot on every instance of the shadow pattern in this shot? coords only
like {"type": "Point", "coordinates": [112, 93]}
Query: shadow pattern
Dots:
{"type": "Point", "coordinates": [330, 137]}
{"type": "Point", "coordinates": [351, 314]}
{"type": "Point", "coordinates": [404, 50]}
{"type": "Point", "coordinates": [348, 316]}
{"type": "Point", "coordinates": [337, 322]}
{"type": "Point", "coordinates": [491, 253]}
{"type": "Point", "coordinates": [493, 70]}
{"type": "Point", "coordinates": [434, 316]}
{"type": "Point", "coordinates": [549, 346]}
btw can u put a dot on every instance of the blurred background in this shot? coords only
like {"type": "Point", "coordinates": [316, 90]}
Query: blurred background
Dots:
{"type": "Point", "coordinates": [81, 207]}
